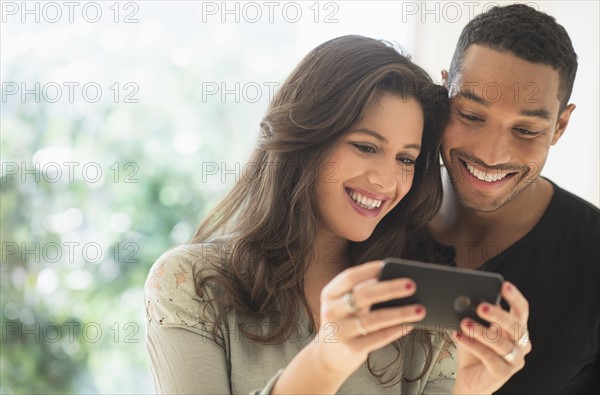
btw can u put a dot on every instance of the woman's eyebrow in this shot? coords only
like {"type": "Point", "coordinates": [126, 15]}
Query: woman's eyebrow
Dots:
{"type": "Point", "coordinates": [383, 139]}
{"type": "Point", "coordinates": [413, 146]}
{"type": "Point", "coordinates": [371, 133]}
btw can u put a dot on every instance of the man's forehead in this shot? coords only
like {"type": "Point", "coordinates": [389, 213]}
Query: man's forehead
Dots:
{"type": "Point", "coordinates": [493, 75]}
{"type": "Point", "coordinates": [486, 65]}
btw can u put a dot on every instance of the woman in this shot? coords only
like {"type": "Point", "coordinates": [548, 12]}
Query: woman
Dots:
{"type": "Point", "coordinates": [273, 295]}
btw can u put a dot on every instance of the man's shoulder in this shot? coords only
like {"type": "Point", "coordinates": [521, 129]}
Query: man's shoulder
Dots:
{"type": "Point", "coordinates": [570, 224]}
{"type": "Point", "coordinates": [571, 207]}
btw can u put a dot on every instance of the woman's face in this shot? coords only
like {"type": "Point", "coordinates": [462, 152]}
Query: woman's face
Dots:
{"type": "Point", "coordinates": [370, 169]}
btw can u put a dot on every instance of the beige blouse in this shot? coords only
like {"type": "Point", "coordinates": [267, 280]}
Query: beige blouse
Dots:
{"type": "Point", "coordinates": [186, 359]}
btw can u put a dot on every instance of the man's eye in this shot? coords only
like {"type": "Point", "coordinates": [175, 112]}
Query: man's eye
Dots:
{"type": "Point", "coordinates": [469, 117]}
{"type": "Point", "coordinates": [364, 148]}
{"type": "Point", "coordinates": [526, 132]}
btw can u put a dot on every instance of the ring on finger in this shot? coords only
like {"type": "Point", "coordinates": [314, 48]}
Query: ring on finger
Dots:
{"type": "Point", "coordinates": [361, 328]}
{"type": "Point", "coordinates": [350, 303]}
{"type": "Point", "coordinates": [512, 355]}
{"type": "Point", "coordinates": [523, 340]}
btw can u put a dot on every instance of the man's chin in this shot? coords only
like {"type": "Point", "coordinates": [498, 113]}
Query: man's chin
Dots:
{"type": "Point", "coordinates": [484, 207]}
{"type": "Point", "coordinates": [481, 203]}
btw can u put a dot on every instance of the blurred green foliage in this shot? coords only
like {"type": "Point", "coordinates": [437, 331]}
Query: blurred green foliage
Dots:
{"type": "Point", "coordinates": [76, 250]}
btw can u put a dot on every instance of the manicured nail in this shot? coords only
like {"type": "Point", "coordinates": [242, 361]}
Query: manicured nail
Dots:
{"type": "Point", "coordinates": [509, 287]}
{"type": "Point", "coordinates": [485, 308]}
{"type": "Point", "coordinates": [468, 323]}
{"type": "Point", "coordinates": [418, 310]}
{"type": "Point", "coordinates": [459, 335]}
{"type": "Point", "coordinates": [408, 286]}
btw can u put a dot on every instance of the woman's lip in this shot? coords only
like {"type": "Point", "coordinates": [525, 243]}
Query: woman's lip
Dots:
{"type": "Point", "coordinates": [364, 211]}
{"type": "Point", "coordinates": [374, 196]}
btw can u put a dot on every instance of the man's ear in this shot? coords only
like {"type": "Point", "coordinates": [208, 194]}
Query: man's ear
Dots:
{"type": "Point", "coordinates": [445, 78]}
{"type": "Point", "coordinates": [563, 121]}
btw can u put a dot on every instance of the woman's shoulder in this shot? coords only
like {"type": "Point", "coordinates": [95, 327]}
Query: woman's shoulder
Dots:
{"type": "Point", "coordinates": [201, 255]}
{"type": "Point", "coordinates": [170, 290]}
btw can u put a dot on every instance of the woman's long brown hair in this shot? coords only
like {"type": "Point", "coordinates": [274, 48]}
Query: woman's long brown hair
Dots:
{"type": "Point", "coordinates": [269, 219]}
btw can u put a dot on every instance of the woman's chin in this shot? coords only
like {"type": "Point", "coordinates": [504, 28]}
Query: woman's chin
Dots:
{"type": "Point", "coordinates": [359, 237]}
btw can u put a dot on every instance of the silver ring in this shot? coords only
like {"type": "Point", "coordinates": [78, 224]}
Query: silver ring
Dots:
{"type": "Point", "coordinates": [512, 355]}
{"type": "Point", "coordinates": [361, 328]}
{"type": "Point", "coordinates": [523, 340]}
{"type": "Point", "coordinates": [349, 302]}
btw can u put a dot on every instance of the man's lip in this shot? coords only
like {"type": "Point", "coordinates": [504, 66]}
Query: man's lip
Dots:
{"type": "Point", "coordinates": [485, 169]}
{"type": "Point", "coordinates": [481, 183]}
{"type": "Point", "coordinates": [372, 195]}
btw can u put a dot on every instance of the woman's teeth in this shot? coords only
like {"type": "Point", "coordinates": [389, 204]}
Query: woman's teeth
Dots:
{"type": "Point", "coordinates": [483, 176]}
{"type": "Point", "coordinates": [363, 201]}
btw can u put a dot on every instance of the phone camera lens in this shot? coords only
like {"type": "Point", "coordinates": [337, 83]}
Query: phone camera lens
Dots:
{"type": "Point", "coordinates": [462, 304]}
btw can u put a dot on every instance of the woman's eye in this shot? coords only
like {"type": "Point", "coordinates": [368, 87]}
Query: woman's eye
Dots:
{"type": "Point", "coordinates": [406, 161]}
{"type": "Point", "coordinates": [365, 148]}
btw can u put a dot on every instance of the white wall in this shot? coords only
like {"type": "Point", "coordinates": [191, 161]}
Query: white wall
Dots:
{"type": "Point", "coordinates": [429, 31]}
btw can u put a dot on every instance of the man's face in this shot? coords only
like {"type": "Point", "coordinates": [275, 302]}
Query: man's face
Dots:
{"type": "Point", "coordinates": [503, 121]}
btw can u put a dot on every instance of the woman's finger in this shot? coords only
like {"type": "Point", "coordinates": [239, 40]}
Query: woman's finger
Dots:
{"type": "Point", "coordinates": [349, 278]}
{"type": "Point", "coordinates": [493, 337]}
{"type": "Point", "coordinates": [363, 297]}
{"type": "Point", "coordinates": [515, 299]}
{"type": "Point", "coordinates": [393, 316]}
{"type": "Point", "coordinates": [496, 364]}
{"type": "Point", "coordinates": [498, 316]}
{"type": "Point", "coordinates": [366, 324]}
{"type": "Point", "coordinates": [381, 338]}
{"type": "Point", "coordinates": [510, 323]}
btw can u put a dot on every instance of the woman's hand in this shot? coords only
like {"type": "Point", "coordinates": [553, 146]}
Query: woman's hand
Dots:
{"type": "Point", "coordinates": [349, 331]}
{"type": "Point", "coordinates": [345, 306]}
{"type": "Point", "coordinates": [488, 357]}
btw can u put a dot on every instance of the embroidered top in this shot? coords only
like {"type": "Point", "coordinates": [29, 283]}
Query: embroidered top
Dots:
{"type": "Point", "coordinates": [186, 358]}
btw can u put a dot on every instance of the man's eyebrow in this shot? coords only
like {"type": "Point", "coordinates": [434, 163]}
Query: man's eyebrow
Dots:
{"type": "Point", "coordinates": [469, 95]}
{"type": "Point", "coordinates": [383, 139]}
{"type": "Point", "coordinates": [538, 113]}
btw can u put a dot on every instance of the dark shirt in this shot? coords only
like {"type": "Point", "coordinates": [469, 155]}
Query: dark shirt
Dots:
{"type": "Point", "coordinates": [557, 268]}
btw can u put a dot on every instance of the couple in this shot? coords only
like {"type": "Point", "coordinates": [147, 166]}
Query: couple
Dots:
{"type": "Point", "coordinates": [273, 294]}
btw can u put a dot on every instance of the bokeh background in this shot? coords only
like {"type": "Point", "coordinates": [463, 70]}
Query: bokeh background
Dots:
{"type": "Point", "coordinates": [123, 122]}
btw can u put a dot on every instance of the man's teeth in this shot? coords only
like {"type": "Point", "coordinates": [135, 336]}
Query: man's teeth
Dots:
{"type": "Point", "coordinates": [363, 201]}
{"type": "Point", "coordinates": [481, 175]}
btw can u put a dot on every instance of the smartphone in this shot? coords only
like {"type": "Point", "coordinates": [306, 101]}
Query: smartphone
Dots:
{"type": "Point", "coordinates": [449, 294]}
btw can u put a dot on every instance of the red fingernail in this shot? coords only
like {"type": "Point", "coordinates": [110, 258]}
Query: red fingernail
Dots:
{"type": "Point", "coordinates": [469, 324]}
{"type": "Point", "coordinates": [458, 335]}
{"type": "Point", "coordinates": [485, 308]}
{"type": "Point", "coordinates": [418, 310]}
{"type": "Point", "coordinates": [408, 286]}
{"type": "Point", "coordinates": [508, 287]}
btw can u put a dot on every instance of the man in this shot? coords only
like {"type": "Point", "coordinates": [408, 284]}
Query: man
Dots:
{"type": "Point", "coordinates": [510, 81]}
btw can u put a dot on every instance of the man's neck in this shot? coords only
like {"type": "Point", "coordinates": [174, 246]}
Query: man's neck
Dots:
{"type": "Point", "coordinates": [476, 231]}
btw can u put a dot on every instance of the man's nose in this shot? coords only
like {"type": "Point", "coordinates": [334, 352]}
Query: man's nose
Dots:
{"type": "Point", "coordinates": [493, 145]}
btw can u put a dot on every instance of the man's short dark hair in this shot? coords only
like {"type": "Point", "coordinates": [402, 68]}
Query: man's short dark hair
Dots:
{"type": "Point", "coordinates": [527, 33]}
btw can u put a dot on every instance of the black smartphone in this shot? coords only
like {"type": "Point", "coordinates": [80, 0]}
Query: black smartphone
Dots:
{"type": "Point", "coordinates": [449, 294]}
